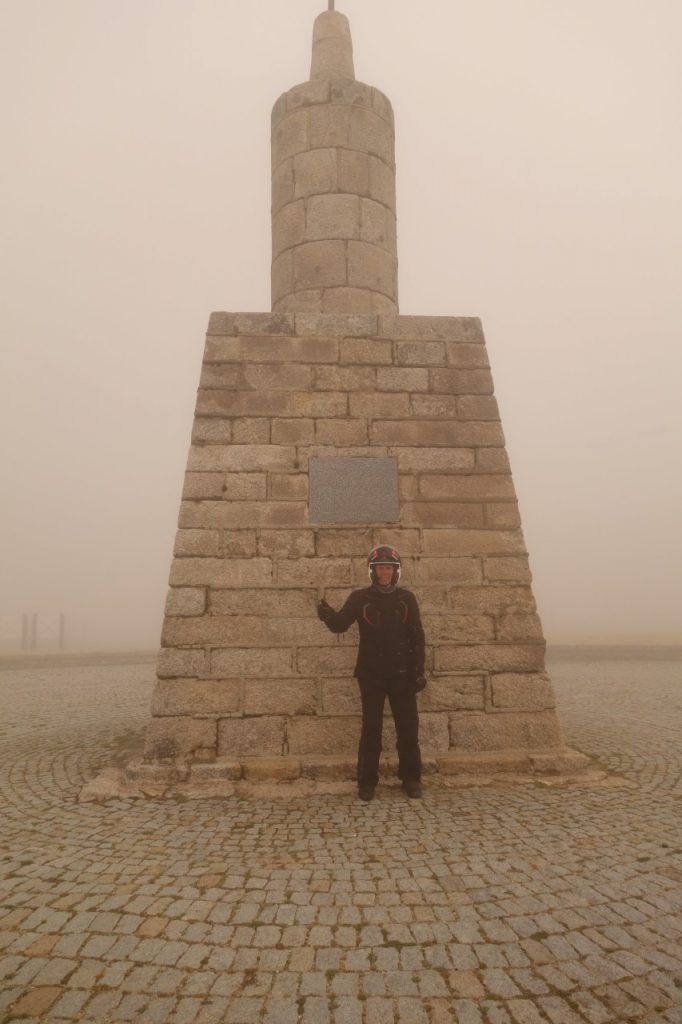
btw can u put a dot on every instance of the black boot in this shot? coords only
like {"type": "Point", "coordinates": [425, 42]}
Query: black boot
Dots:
{"type": "Point", "coordinates": [412, 788]}
{"type": "Point", "coordinates": [366, 791]}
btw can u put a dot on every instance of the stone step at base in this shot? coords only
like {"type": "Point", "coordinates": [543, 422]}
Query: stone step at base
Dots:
{"type": "Point", "coordinates": [289, 777]}
{"type": "Point", "coordinates": [341, 769]}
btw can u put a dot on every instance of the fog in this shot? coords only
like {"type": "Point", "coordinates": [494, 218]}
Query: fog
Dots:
{"type": "Point", "coordinates": [539, 159]}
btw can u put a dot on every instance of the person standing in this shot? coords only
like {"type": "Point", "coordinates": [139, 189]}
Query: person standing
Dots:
{"type": "Point", "coordinates": [390, 663]}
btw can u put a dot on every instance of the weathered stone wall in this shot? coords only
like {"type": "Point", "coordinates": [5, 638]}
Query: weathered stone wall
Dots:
{"type": "Point", "coordinates": [246, 669]}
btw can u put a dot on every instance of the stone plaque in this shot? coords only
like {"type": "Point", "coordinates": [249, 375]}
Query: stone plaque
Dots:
{"type": "Point", "coordinates": [354, 490]}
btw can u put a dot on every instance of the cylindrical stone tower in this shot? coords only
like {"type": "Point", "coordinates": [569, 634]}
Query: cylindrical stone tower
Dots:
{"type": "Point", "coordinates": [334, 246]}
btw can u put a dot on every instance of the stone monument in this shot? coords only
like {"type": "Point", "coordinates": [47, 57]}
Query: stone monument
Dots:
{"type": "Point", "coordinates": [322, 428]}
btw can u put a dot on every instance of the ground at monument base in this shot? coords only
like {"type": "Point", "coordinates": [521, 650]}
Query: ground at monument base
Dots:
{"type": "Point", "coordinates": [290, 776]}
{"type": "Point", "coordinates": [477, 905]}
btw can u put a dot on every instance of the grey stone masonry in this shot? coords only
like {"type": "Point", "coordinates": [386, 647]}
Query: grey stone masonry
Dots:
{"type": "Point", "coordinates": [334, 246]}
{"type": "Point", "coordinates": [246, 670]}
{"type": "Point", "coordinates": [247, 675]}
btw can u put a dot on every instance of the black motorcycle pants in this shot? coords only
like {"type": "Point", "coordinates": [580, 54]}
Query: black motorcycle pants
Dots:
{"type": "Point", "coordinates": [403, 703]}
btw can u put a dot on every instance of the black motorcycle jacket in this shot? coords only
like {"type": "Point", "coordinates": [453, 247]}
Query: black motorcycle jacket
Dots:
{"type": "Point", "coordinates": [391, 632]}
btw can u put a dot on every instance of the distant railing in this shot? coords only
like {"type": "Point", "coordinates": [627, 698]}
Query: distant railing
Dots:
{"type": "Point", "coordinates": [34, 631]}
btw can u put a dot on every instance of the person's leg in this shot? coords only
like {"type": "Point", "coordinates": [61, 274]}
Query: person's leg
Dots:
{"type": "Point", "coordinates": [403, 701]}
{"type": "Point", "coordinates": [373, 696]}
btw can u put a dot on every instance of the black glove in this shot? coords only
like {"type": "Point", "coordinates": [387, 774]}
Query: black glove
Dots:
{"type": "Point", "coordinates": [324, 610]}
{"type": "Point", "coordinates": [419, 684]}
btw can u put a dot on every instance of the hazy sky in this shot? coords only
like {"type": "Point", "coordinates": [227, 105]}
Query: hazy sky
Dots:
{"type": "Point", "coordinates": [539, 157]}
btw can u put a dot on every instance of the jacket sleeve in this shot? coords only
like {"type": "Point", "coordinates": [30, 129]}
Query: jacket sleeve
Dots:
{"type": "Point", "coordinates": [342, 620]}
{"type": "Point", "coordinates": [418, 639]}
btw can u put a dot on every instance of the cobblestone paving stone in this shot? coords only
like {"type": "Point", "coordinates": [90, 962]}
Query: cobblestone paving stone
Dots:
{"type": "Point", "coordinates": [485, 905]}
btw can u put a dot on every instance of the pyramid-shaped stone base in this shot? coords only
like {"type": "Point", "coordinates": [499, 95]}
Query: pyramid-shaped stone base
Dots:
{"type": "Point", "coordinates": [250, 683]}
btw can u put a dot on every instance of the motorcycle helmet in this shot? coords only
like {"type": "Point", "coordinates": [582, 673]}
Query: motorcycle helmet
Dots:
{"type": "Point", "coordinates": [384, 555]}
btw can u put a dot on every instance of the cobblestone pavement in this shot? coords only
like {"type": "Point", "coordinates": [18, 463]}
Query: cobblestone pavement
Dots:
{"type": "Point", "coordinates": [488, 905]}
